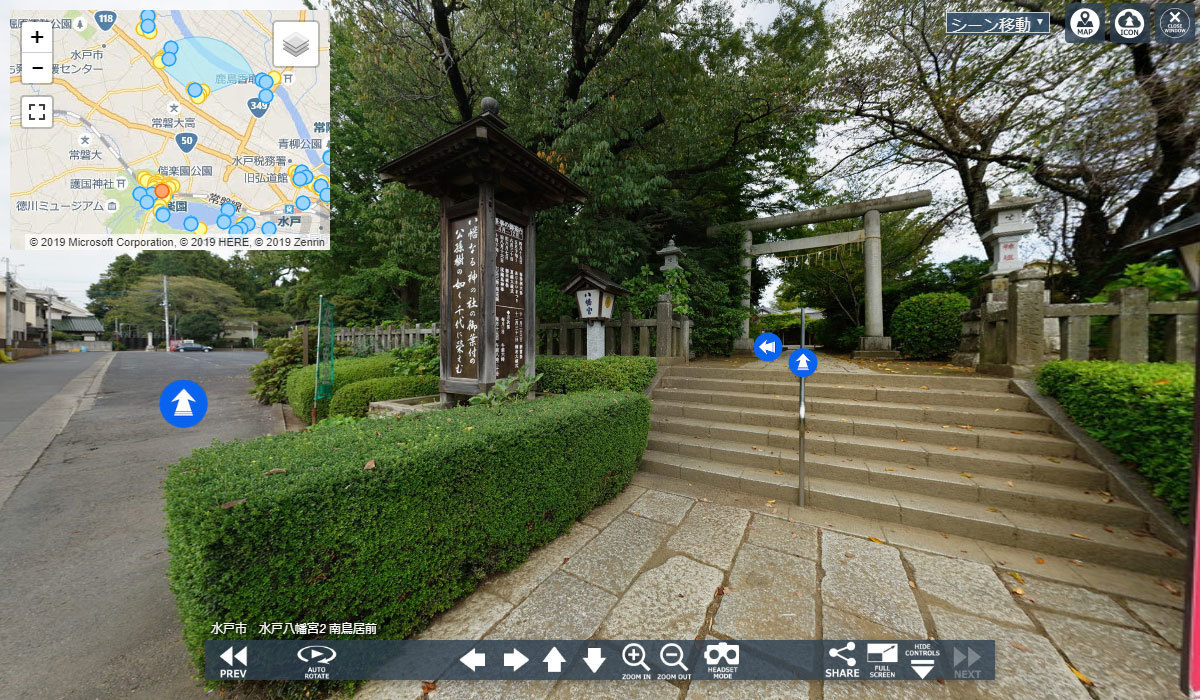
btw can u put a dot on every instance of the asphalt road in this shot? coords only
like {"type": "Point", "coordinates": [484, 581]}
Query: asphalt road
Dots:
{"type": "Point", "coordinates": [85, 609]}
{"type": "Point", "coordinates": [27, 384]}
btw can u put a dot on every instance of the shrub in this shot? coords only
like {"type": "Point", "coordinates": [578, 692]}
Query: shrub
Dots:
{"type": "Point", "coordinates": [300, 383]}
{"type": "Point", "coordinates": [387, 521]}
{"type": "Point", "coordinates": [787, 327]}
{"type": "Point", "coordinates": [564, 375]}
{"type": "Point", "coordinates": [353, 399]}
{"type": "Point", "coordinates": [1142, 412]}
{"type": "Point", "coordinates": [283, 355]}
{"type": "Point", "coordinates": [418, 359]}
{"type": "Point", "coordinates": [928, 325]}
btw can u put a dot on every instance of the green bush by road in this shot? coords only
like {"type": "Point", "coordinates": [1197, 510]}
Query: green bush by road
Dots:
{"type": "Point", "coordinates": [391, 520]}
{"type": "Point", "coordinates": [564, 375]}
{"type": "Point", "coordinates": [353, 399]}
{"type": "Point", "coordinates": [300, 382]}
{"type": "Point", "coordinates": [1142, 412]}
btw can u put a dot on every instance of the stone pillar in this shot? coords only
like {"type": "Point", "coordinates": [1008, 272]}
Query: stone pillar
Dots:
{"type": "Point", "coordinates": [1131, 328]}
{"type": "Point", "coordinates": [1075, 335]}
{"type": "Point", "coordinates": [663, 331]}
{"type": "Point", "coordinates": [1025, 345]}
{"type": "Point", "coordinates": [1181, 338]}
{"type": "Point", "coordinates": [595, 340]}
{"type": "Point", "coordinates": [743, 343]}
{"type": "Point", "coordinates": [874, 344]}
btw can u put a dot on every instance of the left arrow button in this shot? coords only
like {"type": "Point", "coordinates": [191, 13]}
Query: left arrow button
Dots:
{"type": "Point", "coordinates": [473, 659]}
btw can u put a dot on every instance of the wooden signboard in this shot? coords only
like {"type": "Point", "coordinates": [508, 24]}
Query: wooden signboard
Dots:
{"type": "Point", "coordinates": [466, 310]}
{"type": "Point", "coordinates": [510, 297]}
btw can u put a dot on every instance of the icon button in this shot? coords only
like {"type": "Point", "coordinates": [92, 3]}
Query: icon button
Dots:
{"type": "Point", "coordinates": [970, 657]}
{"type": "Point", "coordinates": [554, 661]}
{"type": "Point", "coordinates": [228, 656]}
{"type": "Point", "coordinates": [837, 653]}
{"type": "Point", "coordinates": [1130, 23]}
{"type": "Point", "coordinates": [594, 658]}
{"type": "Point", "coordinates": [37, 37]}
{"type": "Point", "coordinates": [1085, 22]}
{"type": "Point", "coordinates": [1174, 23]}
{"type": "Point", "coordinates": [921, 667]}
{"type": "Point", "coordinates": [722, 653]}
{"type": "Point", "coordinates": [634, 654]}
{"type": "Point", "coordinates": [37, 111]}
{"type": "Point", "coordinates": [882, 653]}
{"type": "Point", "coordinates": [802, 363]}
{"type": "Point", "coordinates": [296, 44]}
{"type": "Point", "coordinates": [768, 347]}
{"type": "Point", "coordinates": [474, 659]}
{"type": "Point", "coordinates": [672, 655]}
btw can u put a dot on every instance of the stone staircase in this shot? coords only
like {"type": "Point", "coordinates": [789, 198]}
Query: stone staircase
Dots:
{"type": "Point", "coordinates": [959, 455]}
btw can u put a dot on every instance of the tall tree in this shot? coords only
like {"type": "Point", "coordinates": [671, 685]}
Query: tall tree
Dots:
{"type": "Point", "coordinates": [1111, 128]}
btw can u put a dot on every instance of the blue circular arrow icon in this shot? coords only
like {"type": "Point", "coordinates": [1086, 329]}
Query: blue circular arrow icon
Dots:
{"type": "Point", "coordinates": [802, 362]}
{"type": "Point", "coordinates": [768, 347]}
{"type": "Point", "coordinates": [183, 403]}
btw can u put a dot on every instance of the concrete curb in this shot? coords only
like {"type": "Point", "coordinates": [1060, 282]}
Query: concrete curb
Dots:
{"type": "Point", "coordinates": [26, 443]}
{"type": "Point", "coordinates": [280, 423]}
{"type": "Point", "coordinates": [1123, 481]}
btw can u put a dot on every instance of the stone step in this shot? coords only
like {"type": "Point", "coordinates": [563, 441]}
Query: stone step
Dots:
{"type": "Point", "coordinates": [776, 449]}
{"type": "Point", "coordinates": [782, 411]}
{"type": "Point", "coordinates": [956, 434]}
{"type": "Point", "coordinates": [828, 388]}
{"type": "Point", "coordinates": [1089, 541]}
{"type": "Point", "coordinates": [779, 372]}
{"type": "Point", "coordinates": [1037, 497]}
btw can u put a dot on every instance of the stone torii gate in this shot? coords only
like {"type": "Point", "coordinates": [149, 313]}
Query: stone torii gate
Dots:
{"type": "Point", "coordinates": [874, 344]}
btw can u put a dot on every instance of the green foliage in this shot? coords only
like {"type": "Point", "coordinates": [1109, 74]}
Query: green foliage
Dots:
{"type": "Point", "coordinates": [300, 381]}
{"type": "Point", "coordinates": [353, 399]}
{"type": "Point", "coordinates": [418, 360]}
{"type": "Point", "coordinates": [565, 375]}
{"type": "Point", "coordinates": [646, 286]}
{"type": "Point", "coordinates": [202, 326]}
{"type": "Point", "coordinates": [142, 302]}
{"type": "Point", "coordinates": [389, 520]}
{"type": "Point", "coordinates": [553, 303]}
{"type": "Point", "coordinates": [928, 326]}
{"type": "Point", "coordinates": [1162, 283]}
{"type": "Point", "coordinates": [512, 388]}
{"type": "Point", "coordinates": [63, 336]}
{"type": "Point", "coordinates": [283, 355]}
{"type": "Point", "coordinates": [1142, 412]}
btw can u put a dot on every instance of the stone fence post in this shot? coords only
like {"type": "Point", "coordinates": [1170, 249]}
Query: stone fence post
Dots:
{"type": "Point", "coordinates": [1025, 342]}
{"type": "Point", "coordinates": [1131, 327]}
{"type": "Point", "coordinates": [663, 330]}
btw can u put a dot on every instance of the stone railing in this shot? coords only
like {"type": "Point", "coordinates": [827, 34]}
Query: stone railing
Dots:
{"type": "Point", "coordinates": [666, 335]}
{"type": "Point", "coordinates": [1019, 329]}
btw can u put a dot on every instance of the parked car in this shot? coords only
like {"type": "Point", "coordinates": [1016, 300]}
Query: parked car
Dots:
{"type": "Point", "coordinates": [194, 347]}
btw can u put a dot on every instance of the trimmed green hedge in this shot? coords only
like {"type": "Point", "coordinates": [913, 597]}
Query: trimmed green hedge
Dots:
{"type": "Point", "coordinates": [1142, 412]}
{"type": "Point", "coordinates": [345, 371]}
{"type": "Point", "coordinates": [353, 399]}
{"type": "Point", "coordinates": [928, 326]}
{"type": "Point", "coordinates": [564, 375]}
{"type": "Point", "coordinates": [391, 520]}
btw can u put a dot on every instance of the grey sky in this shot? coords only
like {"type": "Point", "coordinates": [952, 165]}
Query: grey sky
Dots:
{"type": "Point", "coordinates": [70, 273]}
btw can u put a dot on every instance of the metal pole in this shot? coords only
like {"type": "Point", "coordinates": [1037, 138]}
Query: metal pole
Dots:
{"type": "Point", "coordinates": [166, 316]}
{"type": "Point", "coordinates": [8, 300]}
{"type": "Point", "coordinates": [800, 489]}
{"type": "Point", "coordinates": [317, 366]}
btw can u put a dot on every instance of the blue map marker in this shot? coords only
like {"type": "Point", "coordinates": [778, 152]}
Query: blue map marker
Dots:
{"type": "Point", "coordinates": [768, 347]}
{"type": "Point", "coordinates": [183, 403]}
{"type": "Point", "coordinates": [186, 141]}
{"type": "Point", "coordinates": [257, 107]}
{"type": "Point", "coordinates": [802, 362]}
{"type": "Point", "coordinates": [105, 19]}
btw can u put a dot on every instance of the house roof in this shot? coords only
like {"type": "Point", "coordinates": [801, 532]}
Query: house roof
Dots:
{"type": "Point", "coordinates": [78, 324]}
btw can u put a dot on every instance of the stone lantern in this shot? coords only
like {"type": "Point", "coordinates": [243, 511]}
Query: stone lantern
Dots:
{"type": "Point", "coordinates": [596, 295]}
{"type": "Point", "coordinates": [1009, 221]}
{"type": "Point", "coordinates": [670, 256]}
{"type": "Point", "coordinates": [489, 187]}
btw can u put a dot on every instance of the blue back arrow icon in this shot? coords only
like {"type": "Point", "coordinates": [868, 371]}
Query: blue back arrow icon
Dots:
{"type": "Point", "coordinates": [802, 362]}
{"type": "Point", "coordinates": [183, 403]}
{"type": "Point", "coordinates": [768, 347]}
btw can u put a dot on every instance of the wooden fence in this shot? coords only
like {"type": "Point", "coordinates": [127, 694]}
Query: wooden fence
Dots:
{"type": "Point", "coordinates": [1013, 332]}
{"type": "Point", "coordinates": [666, 335]}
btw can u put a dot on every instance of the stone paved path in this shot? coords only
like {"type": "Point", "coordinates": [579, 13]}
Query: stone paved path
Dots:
{"type": "Point", "coordinates": [650, 564]}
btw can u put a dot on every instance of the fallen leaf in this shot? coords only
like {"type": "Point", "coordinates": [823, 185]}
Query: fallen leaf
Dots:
{"type": "Point", "coordinates": [876, 540]}
{"type": "Point", "coordinates": [966, 475]}
{"type": "Point", "coordinates": [428, 686]}
{"type": "Point", "coordinates": [1018, 591]}
{"type": "Point", "coordinates": [1016, 432]}
{"type": "Point", "coordinates": [370, 464]}
{"type": "Point", "coordinates": [945, 426]}
{"type": "Point", "coordinates": [1170, 589]}
{"type": "Point", "coordinates": [993, 510]}
{"type": "Point", "coordinates": [997, 410]}
{"type": "Point", "coordinates": [1040, 560]}
{"type": "Point", "coordinates": [903, 440]}
{"type": "Point", "coordinates": [849, 555]}
{"type": "Point", "coordinates": [944, 535]}
{"type": "Point", "coordinates": [1056, 461]}
{"type": "Point", "coordinates": [924, 387]}
{"type": "Point", "coordinates": [1017, 576]}
{"type": "Point", "coordinates": [1018, 647]}
{"type": "Point", "coordinates": [566, 559]}
{"type": "Point", "coordinates": [770, 501]}
{"type": "Point", "coordinates": [951, 447]}
{"type": "Point", "coordinates": [1082, 537]}
{"type": "Point", "coordinates": [469, 427]}
{"type": "Point", "coordinates": [1082, 678]}
{"type": "Point", "coordinates": [778, 472]}
{"type": "Point", "coordinates": [229, 504]}
{"type": "Point", "coordinates": [1107, 528]}
{"type": "Point", "coordinates": [912, 468]}
{"type": "Point", "coordinates": [1078, 563]}
{"type": "Point", "coordinates": [704, 500]}
{"type": "Point", "coordinates": [279, 470]}
{"type": "Point", "coordinates": [912, 584]}
{"type": "Point", "coordinates": [1008, 483]}
{"type": "Point", "coordinates": [888, 469]}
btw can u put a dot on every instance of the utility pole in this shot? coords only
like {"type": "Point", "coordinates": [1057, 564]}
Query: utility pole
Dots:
{"type": "Point", "coordinates": [8, 310]}
{"type": "Point", "coordinates": [166, 315]}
